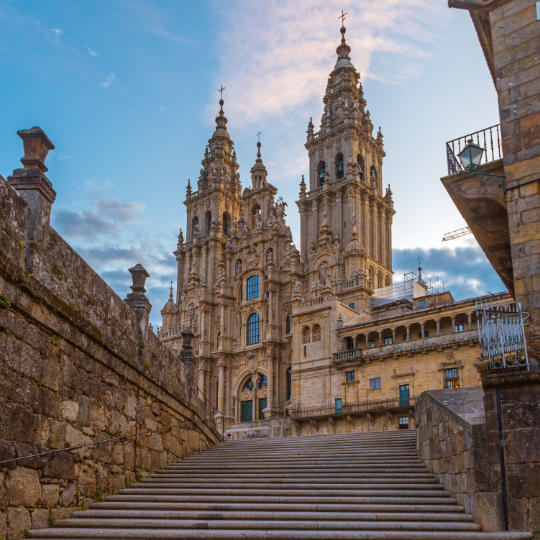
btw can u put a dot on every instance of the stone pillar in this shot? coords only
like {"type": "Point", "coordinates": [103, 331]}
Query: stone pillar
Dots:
{"type": "Point", "coordinates": [469, 320]}
{"type": "Point", "coordinates": [408, 328]}
{"type": "Point", "coordinates": [511, 408]}
{"type": "Point", "coordinates": [269, 411]}
{"type": "Point", "coordinates": [393, 335]}
{"type": "Point", "coordinates": [34, 187]}
{"type": "Point", "coordinates": [422, 329]}
{"type": "Point", "coordinates": [187, 358]}
{"type": "Point", "coordinates": [137, 300]}
{"type": "Point", "coordinates": [438, 323]}
{"type": "Point", "coordinates": [380, 338]}
{"type": "Point", "coordinates": [221, 387]}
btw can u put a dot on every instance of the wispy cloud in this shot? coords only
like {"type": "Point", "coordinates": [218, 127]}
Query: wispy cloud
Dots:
{"type": "Point", "coordinates": [106, 218]}
{"type": "Point", "coordinates": [91, 52]}
{"type": "Point", "coordinates": [108, 81]}
{"type": "Point", "coordinates": [276, 67]}
{"type": "Point", "coordinates": [57, 33]}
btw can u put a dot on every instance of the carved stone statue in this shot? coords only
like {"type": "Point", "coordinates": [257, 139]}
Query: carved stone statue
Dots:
{"type": "Point", "coordinates": [323, 273]}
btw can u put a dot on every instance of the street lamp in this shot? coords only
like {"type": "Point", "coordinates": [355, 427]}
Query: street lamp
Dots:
{"type": "Point", "coordinates": [471, 156]}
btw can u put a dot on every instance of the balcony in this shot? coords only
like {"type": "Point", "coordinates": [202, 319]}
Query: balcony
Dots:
{"type": "Point", "coordinates": [480, 198]}
{"type": "Point", "coordinates": [354, 409]}
{"type": "Point", "coordinates": [406, 347]}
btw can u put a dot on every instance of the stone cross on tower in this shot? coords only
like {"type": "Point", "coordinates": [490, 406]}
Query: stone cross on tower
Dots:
{"type": "Point", "coordinates": [221, 91]}
{"type": "Point", "coordinates": [342, 17]}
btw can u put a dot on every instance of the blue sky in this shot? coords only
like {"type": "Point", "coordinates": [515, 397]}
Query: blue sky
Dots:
{"type": "Point", "coordinates": [127, 91]}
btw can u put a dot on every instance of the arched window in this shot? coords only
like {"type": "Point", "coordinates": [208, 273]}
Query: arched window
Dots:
{"type": "Point", "coordinates": [226, 223]}
{"type": "Point", "coordinates": [379, 280]}
{"type": "Point", "coordinates": [289, 383]}
{"type": "Point", "coordinates": [387, 281]}
{"type": "Point", "coordinates": [361, 166]}
{"type": "Point", "coordinates": [321, 172]}
{"type": "Point", "coordinates": [195, 227]}
{"type": "Point", "coordinates": [371, 276]}
{"type": "Point", "coordinates": [208, 221]}
{"type": "Point", "coordinates": [252, 287]}
{"type": "Point", "coordinates": [339, 166]}
{"type": "Point", "coordinates": [288, 324]}
{"type": "Point", "coordinates": [316, 334]}
{"type": "Point", "coordinates": [306, 334]}
{"type": "Point", "coordinates": [253, 329]}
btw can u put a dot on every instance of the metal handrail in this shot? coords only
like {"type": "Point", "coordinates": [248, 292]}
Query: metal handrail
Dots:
{"type": "Point", "coordinates": [94, 444]}
{"type": "Point", "coordinates": [489, 139]}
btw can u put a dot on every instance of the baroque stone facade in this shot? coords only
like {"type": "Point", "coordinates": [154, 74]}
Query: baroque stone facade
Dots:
{"type": "Point", "coordinates": [320, 335]}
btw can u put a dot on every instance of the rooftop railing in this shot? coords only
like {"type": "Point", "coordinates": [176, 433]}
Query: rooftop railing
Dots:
{"type": "Point", "coordinates": [358, 407]}
{"type": "Point", "coordinates": [489, 139]}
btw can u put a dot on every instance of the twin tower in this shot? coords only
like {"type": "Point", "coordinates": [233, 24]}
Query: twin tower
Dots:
{"type": "Point", "coordinates": [239, 273]}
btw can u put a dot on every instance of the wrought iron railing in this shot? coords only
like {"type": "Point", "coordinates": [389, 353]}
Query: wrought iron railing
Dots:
{"type": "Point", "coordinates": [489, 139]}
{"type": "Point", "coordinates": [358, 407]}
{"type": "Point", "coordinates": [501, 335]}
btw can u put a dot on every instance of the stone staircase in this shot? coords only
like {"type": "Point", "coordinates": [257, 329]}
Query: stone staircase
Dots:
{"type": "Point", "coordinates": [362, 485]}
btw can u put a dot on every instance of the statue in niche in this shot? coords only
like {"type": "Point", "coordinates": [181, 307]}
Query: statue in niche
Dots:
{"type": "Point", "coordinates": [280, 208]}
{"type": "Point", "coordinates": [258, 221]}
{"type": "Point", "coordinates": [238, 267]}
{"type": "Point", "coordinates": [296, 288]}
{"type": "Point", "coordinates": [323, 273]}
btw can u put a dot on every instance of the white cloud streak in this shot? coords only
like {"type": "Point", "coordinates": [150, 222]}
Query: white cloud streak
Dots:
{"type": "Point", "coordinates": [108, 81]}
{"type": "Point", "coordinates": [279, 62]}
{"type": "Point", "coordinates": [91, 52]}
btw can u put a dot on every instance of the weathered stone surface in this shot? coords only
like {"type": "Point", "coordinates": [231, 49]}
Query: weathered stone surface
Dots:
{"type": "Point", "coordinates": [49, 495]}
{"type": "Point", "coordinates": [18, 522]}
{"type": "Point", "coordinates": [61, 465]}
{"type": "Point", "coordinates": [23, 487]}
{"type": "Point", "coordinates": [39, 518]}
{"type": "Point", "coordinates": [70, 410]}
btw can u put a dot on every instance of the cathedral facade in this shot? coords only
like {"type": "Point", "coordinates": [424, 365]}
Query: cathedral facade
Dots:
{"type": "Point", "coordinates": [316, 339]}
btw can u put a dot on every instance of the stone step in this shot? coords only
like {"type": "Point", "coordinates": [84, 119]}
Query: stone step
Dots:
{"type": "Point", "coordinates": [269, 524]}
{"type": "Point", "coordinates": [276, 506]}
{"type": "Point", "coordinates": [338, 477]}
{"type": "Point", "coordinates": [284, 534]}
{"type": "Point", "coordinates": [271, 514]}
{"type": "Point", "coordinates": [315, 498]}
{"type": "Point", "coordinates": [284, 498]}
{"type": "Point", "coordinates": [280, 484]}
{"type": "Point", "coordinates": [281, 491]}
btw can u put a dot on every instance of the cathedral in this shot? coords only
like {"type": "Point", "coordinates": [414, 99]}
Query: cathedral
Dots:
{"type": "Point", "coordinates": [320, 339]}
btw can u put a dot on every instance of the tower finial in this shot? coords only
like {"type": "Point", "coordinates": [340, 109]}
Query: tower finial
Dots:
{"type": "Point", "coordinates": [171, 292]}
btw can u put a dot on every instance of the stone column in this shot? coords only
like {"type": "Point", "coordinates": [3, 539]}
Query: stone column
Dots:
{"type": "Point", "coordinates": [221, 387]}
{"type": "Point", "coordinates": [269, 411]}
{"type": "Point", "coordinates": [453, 319]}
{"type": "Point", "coordinates": [393, 335]}
{"type": "Point", "coordinates": [137, 300]}
{"type": "Point", "coordinates": [422, 329]}
{"type": "Point", "coordinates": [380, 338]}
{"type": "Point", "coordinates": [469, 320]}
{"type": "Point", "coordinates": [35, 188]}
{"type": "Point", "coordinates": [438, 323]}
{"type": "Point", "coordinates": [408, 329]}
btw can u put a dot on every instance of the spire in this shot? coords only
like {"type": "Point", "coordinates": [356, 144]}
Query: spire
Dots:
{"type": "Point", "coordinates": [221, 122]}
{"type": "Point", "coordinates": [343, 51]}
{"type": "Point", "coordinates": [188, 189]}
{"type": "Point", "coordinates": [258, 171]}
{"type": "Point", "coordinates": [171, 292]}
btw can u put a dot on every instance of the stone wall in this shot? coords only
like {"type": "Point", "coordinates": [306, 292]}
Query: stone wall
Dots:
{"type": "Point", "coordinates": [458, 438]}
{"type": "Point", "coordinates": [77, 365]}
{"type": "Point", "coordinates": [450, 427]}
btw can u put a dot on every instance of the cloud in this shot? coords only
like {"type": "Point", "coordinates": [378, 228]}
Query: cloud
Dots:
{"type": "Point", "coordinates": [86, 224]}
{"type": "Point", "coordinates": [107, 218]}
{"type": "Point", "coordinates": [276, 67]}
{"type": "Point", "coordinates": [91, 52]}
{"type": "Point", "coordinates": [108, 81]}
{"type": "Point", "coordinates": [57, 33]}
{"type": "Point", "coordinates": [98, 186]}
{"type": "Point", "coordinates": [465, 271]}
{"type": "Point", "coordinates": [124, 212]}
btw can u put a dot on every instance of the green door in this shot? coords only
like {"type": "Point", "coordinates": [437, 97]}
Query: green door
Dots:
{"type": "Point", "coordinates": [403, 395]}
{"type": "Point", "coordinates": [262, 406]}
{"type": "Point", "coordinates": [338, 408]}
{"type": "Point", "coordinates": [246, 410]}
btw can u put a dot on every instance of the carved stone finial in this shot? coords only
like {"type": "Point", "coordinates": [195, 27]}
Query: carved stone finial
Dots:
{"type": "Point", "coordinates": [139, 276]}
{"type": "Point", "coordinates": [36, 148]}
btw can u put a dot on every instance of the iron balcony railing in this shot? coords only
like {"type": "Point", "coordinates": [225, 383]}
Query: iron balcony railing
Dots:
{"type": "Point", "coordinates": [501, 335]}
{"type": "Point", "coordinates": [489, 139]}
{"type": "Point", "coordinates": [358, 407]}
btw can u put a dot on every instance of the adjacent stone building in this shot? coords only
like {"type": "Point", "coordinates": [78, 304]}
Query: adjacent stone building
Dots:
{"type": "Point", "coordinates": [319, 339]}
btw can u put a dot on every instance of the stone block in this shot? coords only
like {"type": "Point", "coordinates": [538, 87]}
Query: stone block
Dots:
{"type": "Point", "coordinates": [74, 437]}
{"type": "Point", "coordinates": [61, 465]}
{"type": "Point", "coordinates": [3, 524]}
{"type": "Point", "coordinates": [23, 487]}
{"type": "Point", "coordinates": [69, 410]}
{"type": "Point", "coordinates": [86, 482]}
{"type": "Point", "coordinates": [39, 518]}
{"type": "Point", "coordinates": [67, 497]}
{"type": "Point", "coordinates": [18, 522]}
{"type": "Point", "coordinates": [50, 494]}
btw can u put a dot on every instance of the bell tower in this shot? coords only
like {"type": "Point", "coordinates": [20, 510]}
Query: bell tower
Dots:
{"type": "Point", "coordinates": [345, 218]}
